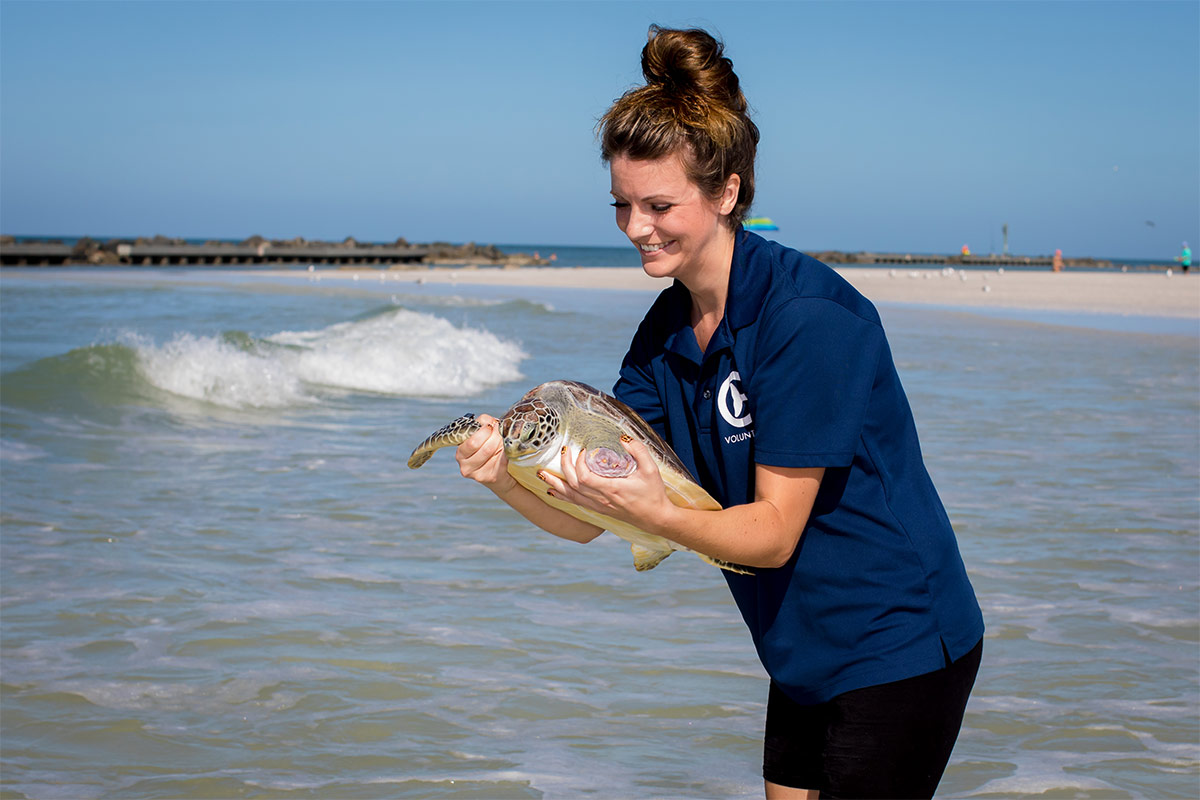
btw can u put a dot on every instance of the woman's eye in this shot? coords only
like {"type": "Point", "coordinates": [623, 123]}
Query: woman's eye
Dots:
{"type": "Point", "coordinates": [619, 204]}
{"type": "Point", "coordinates": [662, 208]}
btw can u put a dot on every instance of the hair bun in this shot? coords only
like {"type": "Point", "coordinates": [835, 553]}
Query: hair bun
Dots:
{"type": "Point", "coordinates": [692, 107]}
{"type": "Point", "coordinates": [691, 64]}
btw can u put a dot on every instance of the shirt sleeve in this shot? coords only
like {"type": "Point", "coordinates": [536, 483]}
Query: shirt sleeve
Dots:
{"type": "Point", "coordinates": [636, 386]}
{"type": "Point", "coordinates": [812, 380]}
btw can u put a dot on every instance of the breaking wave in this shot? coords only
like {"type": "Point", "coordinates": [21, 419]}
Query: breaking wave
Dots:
{"type": "Point", "coordinates": [395, 351]}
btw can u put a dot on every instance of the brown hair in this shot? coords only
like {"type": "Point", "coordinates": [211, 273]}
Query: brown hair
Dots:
{"type": "Point", "coordinates": [692, 104]}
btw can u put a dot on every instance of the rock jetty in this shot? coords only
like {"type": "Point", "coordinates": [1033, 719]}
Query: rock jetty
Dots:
{"type": "Point", "coordinates": [991, 260]}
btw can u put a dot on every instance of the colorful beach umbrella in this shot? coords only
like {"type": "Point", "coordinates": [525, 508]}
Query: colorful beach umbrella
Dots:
{"type": "Point", "coordinates": [760, 224]}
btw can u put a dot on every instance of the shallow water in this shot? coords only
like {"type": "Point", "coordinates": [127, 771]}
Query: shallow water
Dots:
{"type": "Point", "coordinates": [220, 579]}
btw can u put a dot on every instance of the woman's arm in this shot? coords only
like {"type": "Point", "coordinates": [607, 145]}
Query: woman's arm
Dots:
{"type": "Point", "coordinates": [762, 533]}
{"type": "Point", "coordinates": [481, 458]}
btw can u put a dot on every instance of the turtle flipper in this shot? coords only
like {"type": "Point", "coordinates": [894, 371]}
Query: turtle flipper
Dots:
{"type": "Point", "coordinates": [450, 435]}
{"type": "Point", "coordinates": [609, 462]}
{"type": "Point", "coordinates": [644, 558]}
{"type": "Point", "coordinates": [725, 565]}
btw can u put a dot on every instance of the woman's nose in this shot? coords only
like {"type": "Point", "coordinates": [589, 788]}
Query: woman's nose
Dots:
{"type": "Point", "coordinates": [639, 224]}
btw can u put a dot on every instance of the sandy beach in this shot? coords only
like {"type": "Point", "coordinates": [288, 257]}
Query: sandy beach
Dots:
{"type": "Point", "coordinates": [1143, 294]}
{"type": "Point", "coordinates": [1146, 294]}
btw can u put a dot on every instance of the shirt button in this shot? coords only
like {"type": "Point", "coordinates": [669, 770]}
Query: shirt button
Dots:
{"type": "Point", "coordinates": [707, 393]}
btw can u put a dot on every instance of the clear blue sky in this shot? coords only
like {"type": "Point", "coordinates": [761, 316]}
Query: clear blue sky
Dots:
{"type": "Point", "coordinates": [898, 125]}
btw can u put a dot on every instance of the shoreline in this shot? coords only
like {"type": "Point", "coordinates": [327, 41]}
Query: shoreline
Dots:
{"type": "Point", "coordinates": [1141, 294]}
{"type": "Point", "coordinates": [1172, 295]}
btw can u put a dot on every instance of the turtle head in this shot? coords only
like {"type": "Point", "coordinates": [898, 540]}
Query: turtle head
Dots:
{"type": "Point", "coordinates": [529, 427]}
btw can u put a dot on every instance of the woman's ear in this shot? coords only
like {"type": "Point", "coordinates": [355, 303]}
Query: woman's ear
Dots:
{"type": "Point", "coordinates": [729, 194]}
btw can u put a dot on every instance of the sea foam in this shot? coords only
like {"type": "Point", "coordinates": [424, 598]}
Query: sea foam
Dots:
{"type": "Point", "coordinates": [395, 352]}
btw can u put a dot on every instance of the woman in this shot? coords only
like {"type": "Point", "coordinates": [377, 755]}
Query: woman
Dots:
{"type": "Point", "coordinates": [772, 379]}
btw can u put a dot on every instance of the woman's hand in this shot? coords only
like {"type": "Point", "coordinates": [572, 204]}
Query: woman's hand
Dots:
{"type": "Point", "coordinates": [481, 457]}
{"type": "Point", "coordinates": [638, 498]}
{"type": "Point", "coordinates": [761, 533]}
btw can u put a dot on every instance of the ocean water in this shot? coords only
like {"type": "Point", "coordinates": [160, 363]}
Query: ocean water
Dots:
{"type": "Point", "coordinates": [218, 578]}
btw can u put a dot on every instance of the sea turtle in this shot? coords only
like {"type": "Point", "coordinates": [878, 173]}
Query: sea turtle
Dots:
{"type": "Point", "coordinates": [568, 417]}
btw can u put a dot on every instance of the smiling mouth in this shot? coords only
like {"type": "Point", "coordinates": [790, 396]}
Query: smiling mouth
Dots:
{"type": "Point", "coordinates": [652, 248]}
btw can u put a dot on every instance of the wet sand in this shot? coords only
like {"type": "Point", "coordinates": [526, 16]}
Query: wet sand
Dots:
{"type": "Point", "coordinates": [1142, 294]}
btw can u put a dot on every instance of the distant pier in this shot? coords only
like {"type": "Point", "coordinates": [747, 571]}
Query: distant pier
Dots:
{"type": "Point", "coordinates": [254, 252]}
{"type": "Point", "coordinates": [162, 255]}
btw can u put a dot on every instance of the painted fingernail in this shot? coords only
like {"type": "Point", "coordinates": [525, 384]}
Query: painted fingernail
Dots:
{"type": "Point", "coordinates": [541, 476]}
{"type": "Point", "coordinates": [550, 492]}
{"type": "Point", "coordinates": [563, 451]}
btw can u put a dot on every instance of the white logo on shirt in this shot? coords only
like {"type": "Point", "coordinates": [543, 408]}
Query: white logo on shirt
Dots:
{"type": "Point", "coordinates": [732, 403]}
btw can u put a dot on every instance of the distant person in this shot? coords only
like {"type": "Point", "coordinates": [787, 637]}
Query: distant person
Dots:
{"type": "Point", "coordinates": [772, 379]}
{"type": "Point", "coordinates": [1057, 262]}
{"type": "Point", "coordinates": [1185, 258]}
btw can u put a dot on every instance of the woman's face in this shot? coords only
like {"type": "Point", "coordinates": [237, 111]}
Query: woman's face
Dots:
{"type": "Point", "coordinates": [676, 228]}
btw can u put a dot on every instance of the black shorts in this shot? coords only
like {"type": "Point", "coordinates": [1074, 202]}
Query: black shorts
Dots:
{"type": "Point", "coordinates": [891, 740]}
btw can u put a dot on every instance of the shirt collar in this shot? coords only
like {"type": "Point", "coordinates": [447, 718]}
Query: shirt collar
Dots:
{"type": "Point", "coordinates": [680, 339]}
{"type": "Point", "coordinates": [748, 281]}
{"type": "Point", "coordinates": [747, 287]}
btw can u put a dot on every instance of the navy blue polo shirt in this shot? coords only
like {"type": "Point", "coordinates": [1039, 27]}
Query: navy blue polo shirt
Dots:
{"type": "Point", "coordinates": [799, 374]}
